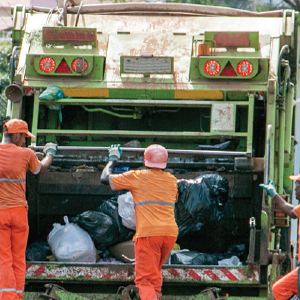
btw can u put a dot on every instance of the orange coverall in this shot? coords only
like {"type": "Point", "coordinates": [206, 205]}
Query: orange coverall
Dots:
{"type": "Point", "coordinates": [154, 194]}
{"type": "Point", "coordinates": [287, 286]}
{"type": "Point", "coordinates": [14, 163]}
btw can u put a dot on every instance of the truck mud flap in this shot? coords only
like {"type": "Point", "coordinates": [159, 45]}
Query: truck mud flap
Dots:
{"type": "Point", "coordinates": [56, 292]}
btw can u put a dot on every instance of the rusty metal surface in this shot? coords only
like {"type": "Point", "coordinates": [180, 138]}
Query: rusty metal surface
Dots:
{"type": "Point", "coordinates": [125, 273]}
{"type": "Point", "coordinates": [156, 44]}
{"type": "Point", "coordinates": [172, 24]}
{"type": "Point", "coordinates": [167, 8]}
{"type": "Point", "coordinates": [136, 35]}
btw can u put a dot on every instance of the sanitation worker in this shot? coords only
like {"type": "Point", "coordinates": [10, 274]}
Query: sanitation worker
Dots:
{"type": "Point", "coordinates": [154, 194]}
{"type": "Point", "coordinates": [14, 163]}
{"type": "Point", "coordinates": [287, 286]}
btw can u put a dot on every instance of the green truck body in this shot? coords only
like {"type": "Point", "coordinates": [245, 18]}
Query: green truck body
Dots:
{"type": "Point", "coordinates": [192, 78]}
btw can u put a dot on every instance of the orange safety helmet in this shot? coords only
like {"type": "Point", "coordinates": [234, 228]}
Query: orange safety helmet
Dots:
{"type": "Point", "coordinates": [156, 156]}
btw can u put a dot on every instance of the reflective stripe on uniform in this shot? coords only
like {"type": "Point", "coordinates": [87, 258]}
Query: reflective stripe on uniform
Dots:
{"type": "Point", "coordinates": [38, 170]}
{"type": "Point", "coordinates": [12, 180]}
{"type": "Point", "coordinates": [111, 183]}
{"type": "Point", "coordinates": [154, 202]}
{"type": "Point", "coordinates": [8, 290]}
{"type": "Point", "coordinates": [11, 290]}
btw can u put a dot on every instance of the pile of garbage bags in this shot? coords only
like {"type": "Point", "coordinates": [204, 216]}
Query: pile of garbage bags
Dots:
{"type": "Point", "coordinates": [232, 257]}
{"type": "Point", "coordinates": [201, 201]}
{"type": "Point", "coordinates": [104, 225]}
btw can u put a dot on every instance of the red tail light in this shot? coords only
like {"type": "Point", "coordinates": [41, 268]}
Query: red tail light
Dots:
{"type": "Point", "coordinates": [79, 65]}
{"type": "Point", "coordinates": [47, 64]}
{"type": "Point", "coordinates": [212, 67]}
{"type": "Point", "coordinates": [228, 71]}
{"type": "Point", "coordinates": [279, 214]}
{"type": "Point", "coordinates": [244, 68]}
{"type": "Point", "coordinates": [63, 67]}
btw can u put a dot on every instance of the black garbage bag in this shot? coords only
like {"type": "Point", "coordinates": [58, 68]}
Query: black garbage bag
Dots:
{"type": "Point", "coordinates": [200, 201]}
{"type": "Point", "coordinates": [193, 258]}
{"type": "Point", "coordinates": [235, 250]}
{"type": "Point", "coordinates": [38, 251]}
{"type": "Point", "coordinates": [101, 227]}
{"type": "Point", "coordinates": [110, 208]}
{"type": "Point", "coordinates": [218, 236]}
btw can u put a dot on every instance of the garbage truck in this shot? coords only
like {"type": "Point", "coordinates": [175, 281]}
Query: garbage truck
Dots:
{"type": "Point", "coordinates": [216, 86]}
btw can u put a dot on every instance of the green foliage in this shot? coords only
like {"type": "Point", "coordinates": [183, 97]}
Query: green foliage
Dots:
{"type": "Point", "coordinates": [5, 50]}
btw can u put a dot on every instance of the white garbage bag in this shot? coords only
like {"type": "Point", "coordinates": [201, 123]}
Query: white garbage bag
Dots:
{"type": "Point", "coordinates": [126, 210]}
{"type": "Point", "coordinates": [71, 243]}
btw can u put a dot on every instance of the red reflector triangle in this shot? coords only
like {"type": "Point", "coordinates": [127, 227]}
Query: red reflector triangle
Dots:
{"type": "Point", "coordinates": [63, 67]}
{"type": "Point", "coordinates": [228, 70]}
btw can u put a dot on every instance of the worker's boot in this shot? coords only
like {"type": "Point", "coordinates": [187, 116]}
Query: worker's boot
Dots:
{"type": "Point", "coordinates": [131, 292]}
{"type": "Point", "coordinates": [56, 292]}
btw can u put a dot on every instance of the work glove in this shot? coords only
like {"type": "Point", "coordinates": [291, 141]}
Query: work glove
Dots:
{"type": "Point", "coordinates": [50, 148]}
{"type": "Point", "coordinates": [269, 188]}
{"type": "Point", "coordinates": [114, 152]}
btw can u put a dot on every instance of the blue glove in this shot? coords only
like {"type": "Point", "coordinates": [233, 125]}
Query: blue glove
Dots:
{"type": "Point", "coordinates": [50, 148]}
{"type": "Point", "coordinates": [114, 152]}
{"type": "Point", "coordinates": [269, 188]}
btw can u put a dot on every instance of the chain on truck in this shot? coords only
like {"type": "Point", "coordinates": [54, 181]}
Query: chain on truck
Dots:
{"type": "Point", "coordinates": [216, 86]}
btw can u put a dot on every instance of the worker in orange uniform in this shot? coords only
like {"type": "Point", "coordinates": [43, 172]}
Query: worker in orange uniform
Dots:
{"type": "Point", "coordinates": [154, 194]}
{"type": "Point", "coordinates": [287, 286]}
{"type": "Point", "coordinates": [14, 163]}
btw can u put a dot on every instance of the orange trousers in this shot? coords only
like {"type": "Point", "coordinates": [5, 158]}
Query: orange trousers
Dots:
{"type": "Point", "coordinates": [286, 286]}
{"type": "Point", "coordinates": [150, 254]}
{"type": "Point", "coordinates": [13, 239]}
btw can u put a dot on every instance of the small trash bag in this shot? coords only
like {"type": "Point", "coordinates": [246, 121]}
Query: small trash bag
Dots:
{"type": "Point", "coordinates": [70, 243]}
{"type": "Point", "coordinates": [110, 208]}
{"type": "Point", "coordinates": [51, 93]}
{"type": "Point", "coordinates": [126, 210]}
{"type": "Point", "coordinates": [232, 261]}
{"type": "Point", "coordinates": [101, 227]}
{"type": "Point", "coordinates": [38, 251]}
{"type": "Point", "coordinates": [193, 258]}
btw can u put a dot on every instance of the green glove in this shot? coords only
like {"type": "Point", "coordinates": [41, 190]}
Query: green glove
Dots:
{"type": "Point", "coordinates": [50, 148]}
{"type": "Point", "coordinates": [269, 188]}
{"type": "Point", "coordinates": [114, 152]}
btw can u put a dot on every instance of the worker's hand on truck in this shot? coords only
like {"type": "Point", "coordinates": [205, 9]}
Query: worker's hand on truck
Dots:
{"type": "Point", "coordinates": [114, 152]}
{"type": "Point", "coordinates": [50, 148]}
{"type": "Point", "coordinates": [269, 188]}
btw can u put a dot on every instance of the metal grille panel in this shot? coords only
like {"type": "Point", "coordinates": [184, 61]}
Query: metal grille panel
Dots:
{"type": "Point", "coordinates": [148, 65]}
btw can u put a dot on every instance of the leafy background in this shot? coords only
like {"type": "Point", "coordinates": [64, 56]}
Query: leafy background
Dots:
{"type": "Point", "coordinates": [5, 50]}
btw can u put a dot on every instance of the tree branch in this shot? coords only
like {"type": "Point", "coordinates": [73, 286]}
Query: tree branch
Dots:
{"type": "Point", "coordinates": [292, 4]}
